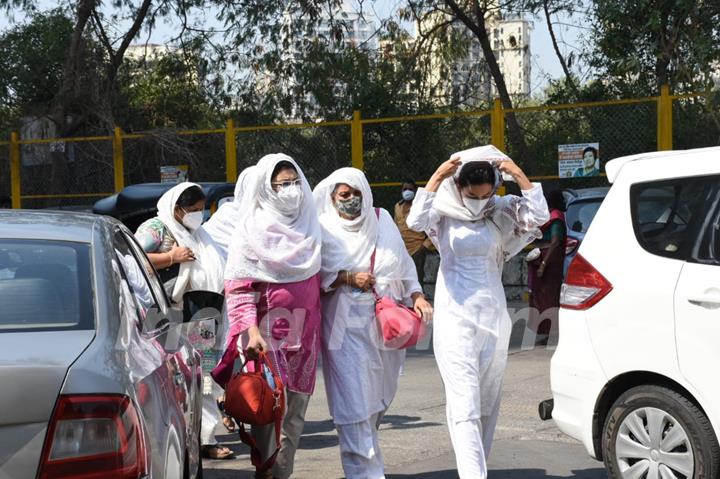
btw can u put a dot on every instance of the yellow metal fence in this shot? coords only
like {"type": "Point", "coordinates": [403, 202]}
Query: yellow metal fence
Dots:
{"type": "Point", "coordinates": [77, 171]}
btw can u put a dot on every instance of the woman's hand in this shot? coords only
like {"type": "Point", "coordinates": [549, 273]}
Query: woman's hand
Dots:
{"type": "Point", "coordinates": [256, 343]}
{"type": "Point", "coordinates": [511, 168]}
{"type": "Point", "coordinates": [422, 307]}
{"type": "Point", "coordinates": [444, 171]}
{"type": "Point", "coordinates": [363, 281]}
{"type": "Point", "coordinates": [181, 254]}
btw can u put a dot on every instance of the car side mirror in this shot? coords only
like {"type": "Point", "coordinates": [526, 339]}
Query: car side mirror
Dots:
{"type": "Point", "coordinates": [202, 305]}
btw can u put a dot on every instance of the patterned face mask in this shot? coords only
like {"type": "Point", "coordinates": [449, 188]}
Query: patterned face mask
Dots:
{"type": "Point", "coordinates": [350, 207]}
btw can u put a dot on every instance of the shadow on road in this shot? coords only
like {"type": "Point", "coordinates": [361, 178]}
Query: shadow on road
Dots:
{"type": "Point", "coordinates": [406, 422]}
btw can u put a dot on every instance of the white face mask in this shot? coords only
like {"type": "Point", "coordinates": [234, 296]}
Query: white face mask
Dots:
{"type": "Point", "coordinates": [408, 195]}
{"type": "Point", "coordinates": [290, 198]}
{"type": "Point", "coordinates": [193, 220]}
{"type": "Point", "coordinates": [475, 205]}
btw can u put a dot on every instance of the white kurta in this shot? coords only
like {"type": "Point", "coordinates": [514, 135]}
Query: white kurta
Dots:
{"type": "Point", "coordinates": [360, 375]}
{"type": "Point", "coordinates": [472, 326]}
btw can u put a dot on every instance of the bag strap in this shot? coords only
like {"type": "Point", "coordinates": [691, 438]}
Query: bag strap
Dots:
{"type": "Point", "coordinates": [372, 258]}
{"type": "Point", "coordinates": [255, 455]}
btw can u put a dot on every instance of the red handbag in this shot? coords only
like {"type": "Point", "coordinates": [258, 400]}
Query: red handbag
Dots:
{"type": "Point", "coordinates": [401, 327]}
{"type": "Point", "coordinates": [249, 399]}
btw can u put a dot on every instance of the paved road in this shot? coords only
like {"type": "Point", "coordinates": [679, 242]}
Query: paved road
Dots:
{"type": "Point", "coordinates": [414, 438]}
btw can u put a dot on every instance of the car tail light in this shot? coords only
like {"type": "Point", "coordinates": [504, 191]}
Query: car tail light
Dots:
{"type": "Point", "coordinates": [94, 436]}
{"type": "Point", "coordinates": [584, 285]}
{"type": "Point", "coordinates": [571, 244]}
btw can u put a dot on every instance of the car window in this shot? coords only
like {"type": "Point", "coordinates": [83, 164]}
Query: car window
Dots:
{"type": "Point", "coordinates": [45, 286]}
{"type": "Point", "coordinates": [580, 214]}
{"type": "Point", "coordinates": [152, 275]}
{"type": "Point", "coordinates": [670, 217]}
{"type": "Point", "coordinates": [134, 280]}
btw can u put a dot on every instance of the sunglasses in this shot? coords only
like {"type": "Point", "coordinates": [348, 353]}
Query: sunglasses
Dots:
{"type": "Point", "coordinates": [286, 184]}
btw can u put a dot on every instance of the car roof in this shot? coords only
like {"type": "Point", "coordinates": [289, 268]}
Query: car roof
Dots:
{"type": "Point", "coordinates": [49, 225]}
{"type": "Point", "coordinates": [573, 195]}
{"type": "Point", "coordinates": [144, 197]}
{"type": "Point", "coordinates": [613, 167]}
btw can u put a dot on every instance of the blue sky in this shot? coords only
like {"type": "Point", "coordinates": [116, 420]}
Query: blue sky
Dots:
{"type": "Point", "coordinates": [545, 64]}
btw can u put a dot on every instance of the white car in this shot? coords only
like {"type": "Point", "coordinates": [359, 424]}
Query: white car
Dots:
{"type": "Point", "coordinates": [635, 375]}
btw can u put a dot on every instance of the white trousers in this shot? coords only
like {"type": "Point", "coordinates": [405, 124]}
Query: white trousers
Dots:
{"type": "Point", "coordinates": [360, 449]}
{"type": "Point", "coordinates": [472, 364]}
{"type": "Point", "coordinates": [210, 416]}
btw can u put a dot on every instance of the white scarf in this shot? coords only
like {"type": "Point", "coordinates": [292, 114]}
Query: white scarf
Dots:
{"type": "Point", "coordinates": [449, 202]}
{"type": "Point", "coordinates": [222, 224]}
{"type": "Point", "coordinates": [349, 244]}
{"type": "Point", "coordinates": [206, 272]}
{"type": "Point", "coordinates": [269, 245]}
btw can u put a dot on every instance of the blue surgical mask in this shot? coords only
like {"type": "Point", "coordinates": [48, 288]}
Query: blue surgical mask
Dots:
{"type": "Point", "coordinates": [408, 195]}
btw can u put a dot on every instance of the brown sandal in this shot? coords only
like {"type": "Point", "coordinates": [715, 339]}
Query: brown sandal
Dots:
{"type": "Point", "coordinates": [227, 421]}
{"type": "Point", "coordinates": [216, 452]}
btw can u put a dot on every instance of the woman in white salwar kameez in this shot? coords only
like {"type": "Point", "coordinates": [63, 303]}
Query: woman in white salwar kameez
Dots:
{"type": "Point", "coordinates": [475, 231]}
{"type": "Point", "coordinates": [361, 376]}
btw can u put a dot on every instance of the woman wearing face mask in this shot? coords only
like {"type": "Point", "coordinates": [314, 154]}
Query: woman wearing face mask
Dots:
{"type": "Point", "coordinates": [475, 231]}
{"type": "Point", "coordinates": [272, 288]}
{"type": "Point", "coordinates": [417, 243]}
{"type": "Point", "coordinates": [188, 259]}
{"type": "Point", "coordinates": [360, 375]}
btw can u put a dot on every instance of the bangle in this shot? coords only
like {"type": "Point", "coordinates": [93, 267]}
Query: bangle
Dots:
{"type": "Point", "coordinates": [171, 259]}
{"type": "Point", "coordinates": [347, 277]}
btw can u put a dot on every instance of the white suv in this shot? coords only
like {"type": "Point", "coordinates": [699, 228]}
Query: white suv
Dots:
{"type": "Point", "coordinates": [636, 375]}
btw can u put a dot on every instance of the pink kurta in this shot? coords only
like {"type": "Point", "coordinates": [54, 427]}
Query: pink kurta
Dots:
{"type": "Point", "coordinates": [288, 316]}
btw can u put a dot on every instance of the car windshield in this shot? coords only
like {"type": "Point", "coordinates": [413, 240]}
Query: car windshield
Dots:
{"type": "Point", "coordinates": [580, 214]}
{"type": "Point", "coordinates": [45, 286]}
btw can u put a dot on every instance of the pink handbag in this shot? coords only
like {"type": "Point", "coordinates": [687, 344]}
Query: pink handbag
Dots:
{"type": "Point", "coordinates": [401, 327]}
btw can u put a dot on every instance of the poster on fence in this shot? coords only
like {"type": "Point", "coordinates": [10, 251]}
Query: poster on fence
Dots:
{"type": "Point", "coordinates": [173, 174]}
{"type": "Point", "coordinates": [578, 160]}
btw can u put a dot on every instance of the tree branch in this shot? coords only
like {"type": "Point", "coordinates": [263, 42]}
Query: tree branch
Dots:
{"type": "Point", "coordinates": [563, 64]}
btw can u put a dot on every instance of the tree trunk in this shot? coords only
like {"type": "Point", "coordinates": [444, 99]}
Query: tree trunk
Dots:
{"type": "Point", "coordinates": [478, 28]}
{"type": "Point", "coordinates": [568, 76]}
{"type": "Point", "coordinates": [517, 138]}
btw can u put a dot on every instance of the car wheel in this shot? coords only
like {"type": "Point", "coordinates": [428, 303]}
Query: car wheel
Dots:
{"type": "Point", "coordinates": [652, 432]}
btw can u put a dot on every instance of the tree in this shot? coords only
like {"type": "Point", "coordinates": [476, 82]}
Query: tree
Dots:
{"type": "Point", "coordinates": [474, 16]}
{"type": "Point", "coordinates": [643, 44]}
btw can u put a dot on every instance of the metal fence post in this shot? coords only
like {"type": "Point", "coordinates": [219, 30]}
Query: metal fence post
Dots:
{"type": "Point", "coordinates": [15, 170]}
{"type": "Point", "coordinates": [231, 166]}
{"type": "Point", "coordinates": [664, 120]}
{"type": "Point", "coordinates": [497, 125]}
{"type": "Point", "coordinates": [118, 160]}
{"type": "Point", "coordinates": [356, 140]}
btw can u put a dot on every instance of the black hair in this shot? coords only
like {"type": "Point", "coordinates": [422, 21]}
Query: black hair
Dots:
{"type": "Point", "coordinates": [190, 196]}
{"type": "Point", "coordinates": [592, 149]}
{"type": "Point", "coordinates": [282, 166]}
{"type": "Point", "coordinates": [5, 201]}
{"type": "Point", "coordinates": [476, 173]}
{"type": "Point", "coordinates": [410, 182]}
{"type": "Point", "coordinates": [555, 200]}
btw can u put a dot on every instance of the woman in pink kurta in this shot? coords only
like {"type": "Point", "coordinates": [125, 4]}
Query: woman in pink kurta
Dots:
{"type": "Point", "coordinates": [272, 290]}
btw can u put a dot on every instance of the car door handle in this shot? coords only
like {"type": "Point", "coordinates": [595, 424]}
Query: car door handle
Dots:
{"type": "Point", "coordinates": [705, 301]}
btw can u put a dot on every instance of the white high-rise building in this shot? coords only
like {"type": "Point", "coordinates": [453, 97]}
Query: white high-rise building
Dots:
{"type": "Point", "coordinates": [511, 44]}
{"type": "Point", "coordinates": [468, 80]}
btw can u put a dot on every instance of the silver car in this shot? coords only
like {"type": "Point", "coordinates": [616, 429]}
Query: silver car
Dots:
{"type": "Point", "coordinates": [95, 379]}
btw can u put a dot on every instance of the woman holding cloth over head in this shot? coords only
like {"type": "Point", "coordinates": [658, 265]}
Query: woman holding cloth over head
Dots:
{"type": "Point", "coordinates": [272, 288]}
{"type": "Point", "coordinates": [475, 231]}
{"type": "Point", "coordinates": [360, 375]}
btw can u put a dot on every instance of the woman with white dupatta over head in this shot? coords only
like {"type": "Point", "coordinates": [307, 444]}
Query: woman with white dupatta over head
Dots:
{"type": "Point", "coordinates": [272, 286]}
{"type": "Point", "coordinates": [475, 231]}
{"type": "Point", "coordinates": [360, 375]}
